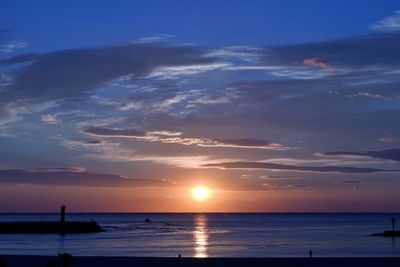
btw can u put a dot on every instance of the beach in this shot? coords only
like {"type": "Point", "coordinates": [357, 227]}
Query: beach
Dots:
{"type": "Point", "coordinates": [84, 261]}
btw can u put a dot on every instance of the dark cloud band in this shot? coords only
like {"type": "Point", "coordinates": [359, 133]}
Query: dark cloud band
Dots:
{"type": "Point", "coordinates": [284, 167]}
{"type": "Point", "coordinates": [390, 154]}
{"type": "Point", "coordinates": [68, 177]}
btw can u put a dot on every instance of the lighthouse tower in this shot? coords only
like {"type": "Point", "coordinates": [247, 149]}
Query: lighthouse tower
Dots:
{"type": "Point", "coordinates": [62, 214]}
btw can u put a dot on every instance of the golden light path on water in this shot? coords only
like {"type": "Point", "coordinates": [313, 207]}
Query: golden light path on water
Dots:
{"type": "Point", "coordinates": [200, 236]}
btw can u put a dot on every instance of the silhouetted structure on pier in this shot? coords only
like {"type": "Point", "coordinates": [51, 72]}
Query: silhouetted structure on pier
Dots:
{"type": "Point", "coordinates": [62, 214]}
{"type": "Point", "coordinates": [392, 233]}
{"type": "Point", "coordinates": [60, 227]}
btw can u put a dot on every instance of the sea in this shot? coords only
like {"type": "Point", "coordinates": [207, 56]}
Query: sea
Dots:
{"type": "Point", "coordinates": [212, 235]}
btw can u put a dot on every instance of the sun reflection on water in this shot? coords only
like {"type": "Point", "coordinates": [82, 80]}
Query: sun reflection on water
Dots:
{"type": "Point", "coordinates": [200, 236]}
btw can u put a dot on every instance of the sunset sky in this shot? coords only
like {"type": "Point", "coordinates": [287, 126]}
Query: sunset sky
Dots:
{"type": "Point", "coordinates": [272, 105]}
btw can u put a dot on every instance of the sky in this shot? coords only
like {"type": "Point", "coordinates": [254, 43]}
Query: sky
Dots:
{"type": "Point", "coordinates": [275, 106]}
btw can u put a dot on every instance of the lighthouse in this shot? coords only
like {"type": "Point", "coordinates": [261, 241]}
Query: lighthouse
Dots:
{"type": "Point", "coordinates": [62, 214]}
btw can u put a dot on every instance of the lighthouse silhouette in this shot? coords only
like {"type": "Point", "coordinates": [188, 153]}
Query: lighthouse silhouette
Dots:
{"type": "Point", "coordinates": [62, 214]}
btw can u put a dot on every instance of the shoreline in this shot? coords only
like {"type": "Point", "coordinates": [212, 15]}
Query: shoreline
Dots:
{"type": "Point", "coordinates": [100, 261]}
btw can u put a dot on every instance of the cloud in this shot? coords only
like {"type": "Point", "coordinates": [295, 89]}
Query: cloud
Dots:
{"type": "Point", "coordinates": [68, 177]}
{"type": "Point", "coordinates": [122, 86]}
{"type": "Point", "coordinates": [172, 137]}
{"type": "Point", "coordinates": [95, 122]}
{"type": "Point", "coordinates": [109, 132]}
{"type": "Point", "coordinates": [244, 53]}
{"type": "Point", "coordinates": [285, 167]}
{"type": "Point", "coordinates": [388, 24]}
{"type": "Point", "coordinates": [350, 182]}
{"type": "Point", "coordinates": [389, 138]}
{"type": "Point", "coordinates": [154, 38]}
{"type": "Point", "coordinates": [269, 186]}
{"type": "Point", "coordinates": [117, 153]}
{"type": "Point", "coordinates": [191, 162]}
{"type": "Point", "coordinates": [247, 142]}
{"type": "Point", "coordinates": [207, 100]}
{"type": "Point", "coordinates": [8, 113]}
{"type": "Point", "coordinates": [87, 69]}
{"type": "Point", "coordinates": [367, 94]}
{"type": "Point", "coordinates": [166, 133]}
{"type": "Point", "coordinates": [280, 177]}
{"type": "Point", "coordinates": [85, 141]}
{"type": "Point", "coordinates": [74, 74]}
{"type": "Point", "coordinates": [4, 132]}
{"type": "Point", "coordinates": [319, 62]}
{"type": "Point", "coordinates": [175, 72]}
{"type": "Point", "coordinates": [10, 47]}
{"type": "Point", "coordinates": [48, 118]}
{"type": "Point", "coordinates": [379, 49]}
{"type": "Point", "coordinates": [56, 170]}
{"type": "Point", "coordinates": [297, 107]}
{"type": "Point", "coordinates": [390, 154]}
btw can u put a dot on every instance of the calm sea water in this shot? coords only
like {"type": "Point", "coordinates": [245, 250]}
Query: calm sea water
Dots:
{"type": "Point", "coordinates": [212, 235]}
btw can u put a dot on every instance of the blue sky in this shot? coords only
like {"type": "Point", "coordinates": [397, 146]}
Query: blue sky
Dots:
{"type": "Point", "coordinates": [50, 25]}
{"type": "Point", "coordinates": [267, 102]}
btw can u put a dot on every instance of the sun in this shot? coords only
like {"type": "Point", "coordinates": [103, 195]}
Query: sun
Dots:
{"type": "Point", "coordinates": [200, 193]}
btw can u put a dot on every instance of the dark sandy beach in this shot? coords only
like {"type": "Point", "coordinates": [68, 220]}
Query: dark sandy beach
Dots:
{"type": "Point", "coordinates": [41, 261]}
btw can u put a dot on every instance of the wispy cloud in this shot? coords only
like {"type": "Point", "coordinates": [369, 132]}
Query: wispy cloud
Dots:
{"type": "Point", "coordinates": [115, 152]}
{"type": "Point", "coordinates": [153, 38]}
{"type": "Point", "coordinates": [174, 72]}
{"type": "Point", "coordinates": [249, 54]}
{"type": "Point", "coordinates": [371, 95]}
{"type": "Point", "coordinates": [172, 137]}
{"type": "Point", "coordinates": [75, 74]}
{"type": "Point", "coordinates": [319, 62]}
{"type": "Point", "coordinates": [165, 132]}
{"type": "Point", "coordinates": [270, 186]}
{"type": "Point", "coordinates": [114, 132]}
{"type": "Point", "coordinates": [10, 47]}
{"type": "Point", "coordinates": [13, 111]}
{"type": "Point", "coordinates": [388, 24]}
{"type": "Point", "coordinates": [5, 132]}
{"type": "Point", "coordinates": [48, 118]}
{"type": "Point", "coordinates": [389, 138]}
{"type": "Point", "coordinates": [98, 122]}
{"type": "Point", "coordinates": [207, 100]}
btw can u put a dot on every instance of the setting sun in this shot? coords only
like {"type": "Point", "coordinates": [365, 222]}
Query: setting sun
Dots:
{"type": "Point", "coordinates": [200, 193]}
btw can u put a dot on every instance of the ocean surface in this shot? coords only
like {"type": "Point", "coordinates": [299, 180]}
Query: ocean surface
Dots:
{"type": "Point", "coordinates": [212, 235]}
